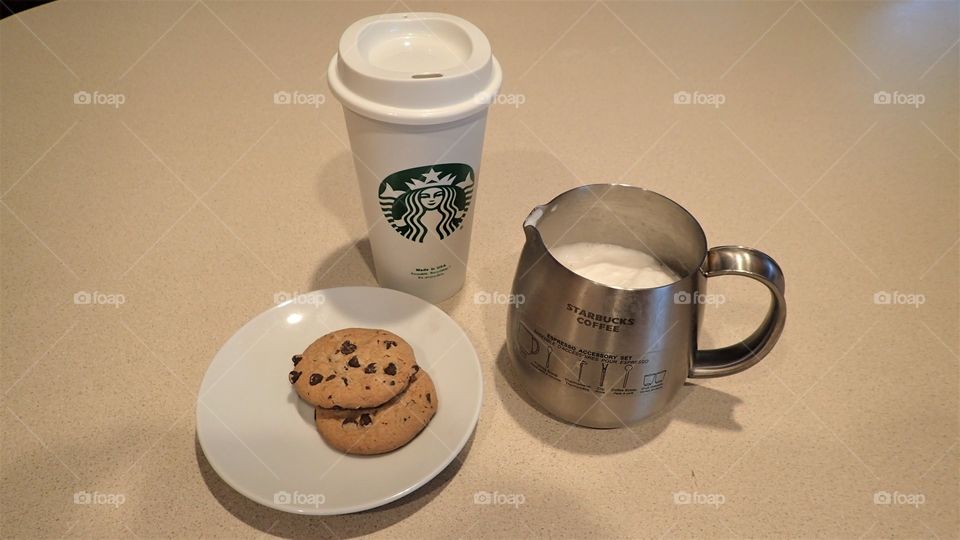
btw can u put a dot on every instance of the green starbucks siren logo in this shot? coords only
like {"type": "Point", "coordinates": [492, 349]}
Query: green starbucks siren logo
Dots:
{"type": "Point", "coordinates": [427, 200]}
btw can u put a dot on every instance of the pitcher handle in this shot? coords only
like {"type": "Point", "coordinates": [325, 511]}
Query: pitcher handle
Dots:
{"type": "Point", "coordinates": [743, 261]}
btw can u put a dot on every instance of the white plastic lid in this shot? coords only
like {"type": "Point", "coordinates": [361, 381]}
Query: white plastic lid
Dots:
{"type": "Point", "coordinates": [414, 68]}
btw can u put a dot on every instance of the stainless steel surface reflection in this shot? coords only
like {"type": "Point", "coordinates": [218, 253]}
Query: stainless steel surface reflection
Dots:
{"type": "Point", "coordinates": [606, 357]}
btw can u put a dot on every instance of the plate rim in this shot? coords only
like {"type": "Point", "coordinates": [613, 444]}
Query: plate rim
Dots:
{"type": "Point", "coordinates": [319, 511]}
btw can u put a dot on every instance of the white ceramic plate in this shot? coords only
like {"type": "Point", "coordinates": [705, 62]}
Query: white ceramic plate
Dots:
{"type": "Point", "coordinates": [260, 437]}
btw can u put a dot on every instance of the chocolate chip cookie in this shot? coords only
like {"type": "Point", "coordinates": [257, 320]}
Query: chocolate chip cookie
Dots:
{"type": "Point", "coordinates": [382, 429]}
{"type": "Point", "coordinates": [353, 368]}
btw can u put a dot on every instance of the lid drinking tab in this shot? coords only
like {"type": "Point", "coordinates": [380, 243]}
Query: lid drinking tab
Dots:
{"type": "Point", "coordinates": [414, 68]}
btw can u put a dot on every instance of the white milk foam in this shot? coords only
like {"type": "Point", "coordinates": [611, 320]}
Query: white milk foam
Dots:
{"type": "Point", "coordinates": [614, 265]}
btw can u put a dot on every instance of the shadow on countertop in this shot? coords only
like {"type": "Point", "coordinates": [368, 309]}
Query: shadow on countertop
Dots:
{"type": "Point", "coordinates": [350, 263]}
{"type": "Point", "coordinates": [283, 524]}
{"type": "Point", "coordinates": [694, 404]}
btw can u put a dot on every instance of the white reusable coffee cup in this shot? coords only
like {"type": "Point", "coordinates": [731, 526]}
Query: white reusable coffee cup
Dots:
{"type": "Point", "coordinates": [415, 89]}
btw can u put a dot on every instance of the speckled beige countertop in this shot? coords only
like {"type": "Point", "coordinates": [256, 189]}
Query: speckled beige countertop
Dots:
{"type": "Point", "coordinates": [196, 200]}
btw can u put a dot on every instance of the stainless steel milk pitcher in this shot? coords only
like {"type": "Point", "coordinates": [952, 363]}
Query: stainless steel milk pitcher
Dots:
{"type": "Point", "coordinates": [603, 356]}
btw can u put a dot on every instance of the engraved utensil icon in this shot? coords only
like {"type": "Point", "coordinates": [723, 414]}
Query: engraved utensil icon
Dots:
{"type": "Point", "coordinates": [581, 363]}
{"type": "Point", "coordinates": [526, 337]}
{"type": "Point", "coordinates": [603, 372]}
{"type": "Point", "coordinates": [546, 364]}
{"type": "Point", "coordinates": [654, 378]}
{"type": "Point", "coordinates": [626, 374]}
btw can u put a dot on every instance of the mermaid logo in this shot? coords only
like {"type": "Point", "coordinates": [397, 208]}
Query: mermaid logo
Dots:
{"type": "Point", "coordinates": [426, 200]}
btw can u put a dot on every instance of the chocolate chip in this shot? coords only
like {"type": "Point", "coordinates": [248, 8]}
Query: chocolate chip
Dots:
{"type": "Point", "coordinates": [428, 398]}
{"type": "Point", "coordinates": [346, 347]}
{"type": "Point", "coordinates": [331, 377]}
{"type": "Point", "coordinates": [366, 387]}
{"type": "Point", "coordinates": [393, 383]}
{"type": "Point", "coordinates": [297, 358]}
{"type": "Point", "coordinates": [416, 368]}
{"type": "Point", "coordinates": [315, 379]}
{"type": "Point", "coordinates": [371, 368]}
{"type": "Point", "coordinates": [353, 362]}
{"type": "Point", "coordinates": [365, 419]}
{"type": "Point", "coordinates": [391, 369]}
{"type": "Point", "coordinates": [389, 344]}
{"type": "Point", "coordinates": [294, 375]}
{"type": "Point", "coordinates": [345, 381]}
